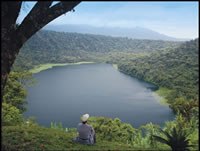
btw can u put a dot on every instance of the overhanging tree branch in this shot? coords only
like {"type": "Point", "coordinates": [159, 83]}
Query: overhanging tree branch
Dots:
{"type": "Point", "coordinates": [41, 15]}
{"type": "Point", "coordinates": [31, 19]}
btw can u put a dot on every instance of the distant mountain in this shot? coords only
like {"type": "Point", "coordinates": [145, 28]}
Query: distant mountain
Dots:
{"type": "Point", "coordinates": [134, 33]}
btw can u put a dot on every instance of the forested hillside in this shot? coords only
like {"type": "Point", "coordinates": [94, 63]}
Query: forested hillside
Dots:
{"type": "Point", "coordinates": [176, 69]}
{"type": "Point", "coordinates": [58, 47]}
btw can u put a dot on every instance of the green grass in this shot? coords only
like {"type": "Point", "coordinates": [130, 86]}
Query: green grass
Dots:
{"type": "Point", "coordinates": [161, 95]}
{"type": "Point", "coordinates": [111, 134]}
{"type": "Point", "coordinates": [40, 138]}
{"type": "Point", "coordinates": [115, 66]}
{"type": "Point", "coordinates": [50, 65]}
{"type": "Point", "coordinates": [163, 91]}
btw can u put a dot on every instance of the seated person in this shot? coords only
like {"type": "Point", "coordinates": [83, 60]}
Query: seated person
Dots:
{"type": "Point", "coordinates": [86, 133]}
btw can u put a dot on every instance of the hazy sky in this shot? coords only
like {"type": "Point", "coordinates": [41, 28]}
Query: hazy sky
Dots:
{"type": "Point", "coordinates": [176, 19]}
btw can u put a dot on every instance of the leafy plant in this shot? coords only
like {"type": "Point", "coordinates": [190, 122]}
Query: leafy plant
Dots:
{"type": "Point", "coordinates": [57, 126]}
{"type": "Point", "coordinates": [187, 108]}
{"type": "Point", "coordinates": [113, 129]}
{"type": "Point", "coordinates": [10, 115]}
{"type": "Point", "coordinates": [15, 92]}
{"type": "Point", "coordinates": [176, 139]}
{"type": "Point", "coordinates": [149, 130]}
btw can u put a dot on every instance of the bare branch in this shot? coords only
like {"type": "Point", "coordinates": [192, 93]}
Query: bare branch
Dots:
{"type": "Point", "coordinates": [57, 10]}
{"type": "Point", "coordinates": [31, 20]}
{"type": "Point", "coordinates": [38, 9]}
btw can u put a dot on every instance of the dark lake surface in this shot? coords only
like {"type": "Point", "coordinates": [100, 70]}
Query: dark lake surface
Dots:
{"type": "Point", "coordinates": [64, 93]}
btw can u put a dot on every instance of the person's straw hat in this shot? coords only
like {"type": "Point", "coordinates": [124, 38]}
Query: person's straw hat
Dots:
{"type": "Point", "coordinates": [85, 117]}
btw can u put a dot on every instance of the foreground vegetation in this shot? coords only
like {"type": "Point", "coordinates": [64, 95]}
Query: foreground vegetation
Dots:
{"type": "Point", "coordinates": [112, 134]}
{"type": "Point", "coordinates": [34, 137]}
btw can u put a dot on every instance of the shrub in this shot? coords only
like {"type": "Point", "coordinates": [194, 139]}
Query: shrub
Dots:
{"type": "Point", "coordinates": [10, 115]}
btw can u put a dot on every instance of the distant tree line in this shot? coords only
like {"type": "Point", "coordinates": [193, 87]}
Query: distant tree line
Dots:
{"type": "Point", "coordinates": [60, 47]}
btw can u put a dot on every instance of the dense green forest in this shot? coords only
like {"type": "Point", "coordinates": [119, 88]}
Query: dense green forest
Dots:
{"type": "Point", "coordinates": [176, 69]}
{"type": "Point", "coordinates": [172, 66]}
{"type": "Point", "coordinates": [14, 104]}
{"type": "Point", "coordinates": [58, 47]}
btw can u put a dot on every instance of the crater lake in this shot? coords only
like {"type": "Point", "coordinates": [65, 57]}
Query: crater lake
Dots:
{"type": "Point", "coordinates": [64, 93]}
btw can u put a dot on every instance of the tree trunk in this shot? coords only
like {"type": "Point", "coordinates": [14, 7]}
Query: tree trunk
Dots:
{"type": "Point", "coordinates": [9, 47]}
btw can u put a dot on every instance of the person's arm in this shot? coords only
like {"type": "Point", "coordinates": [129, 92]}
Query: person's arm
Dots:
{"type": "Point", "coordinates": [78, 127]}
{"type": "Point", "coordinates": [93, 134]}
{"type": "Point", "coordinates": [92, 130]}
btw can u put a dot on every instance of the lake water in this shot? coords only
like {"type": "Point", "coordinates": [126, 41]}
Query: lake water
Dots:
{"type": "Point", "coordinates": [63, 94]}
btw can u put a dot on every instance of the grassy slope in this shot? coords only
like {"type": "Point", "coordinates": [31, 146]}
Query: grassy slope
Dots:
{"type": "Point", "coordinates": [112, 134]}
{"type": "Point", "coordinates": [50, 65]}
{"type": "Point", "coordinates": [40, 138]}
{"type": "Point", "coordinates": [115, 66]}
{"type": "Point", "coordinates": [161, 94]}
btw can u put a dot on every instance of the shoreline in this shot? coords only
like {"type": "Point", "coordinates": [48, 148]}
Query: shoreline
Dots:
{"type": "Point", "coordinates": [160, 95]}
{"type": "Point", "coordinates": [160, 99]}
{"type": "Point", "coordinates": [46, 66]}
{"type": "Point", "coordinates": [115, 66]}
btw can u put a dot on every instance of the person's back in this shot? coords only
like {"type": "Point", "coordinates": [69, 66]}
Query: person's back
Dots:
{"type": "Point", "coordinates": [84, 130]}
{"type": "Point", "coordinates": [86, 133]}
